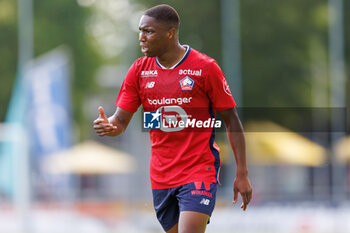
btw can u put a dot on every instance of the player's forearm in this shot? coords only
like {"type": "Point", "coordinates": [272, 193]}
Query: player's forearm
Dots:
{"type": "Point", "coordinates": [237, 141]}
{"type": "Point", "coordinates": [120, 125]}
{"type": "Point", "coordinates": [236, 138]}
{"type": "Point", "coordinates": [120, 120]}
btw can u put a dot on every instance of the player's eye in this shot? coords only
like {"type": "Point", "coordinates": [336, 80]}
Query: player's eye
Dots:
{"type": "Point", "coordinates": [145, 31]}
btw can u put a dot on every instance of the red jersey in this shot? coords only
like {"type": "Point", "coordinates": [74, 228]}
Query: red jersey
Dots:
{"type": "Point", "coordinates": [195, 87]}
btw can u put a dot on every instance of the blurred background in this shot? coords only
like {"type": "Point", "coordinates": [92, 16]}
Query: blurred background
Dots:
{"type": "Point", "coordinates": [287, 63]}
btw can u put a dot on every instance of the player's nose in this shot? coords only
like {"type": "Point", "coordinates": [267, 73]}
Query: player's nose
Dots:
{"type": "Point", "coordinates": [142, 37]}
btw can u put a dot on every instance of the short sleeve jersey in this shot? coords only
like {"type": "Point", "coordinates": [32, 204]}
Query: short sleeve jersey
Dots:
{"type": "Point", "coordinates": [197, 86]}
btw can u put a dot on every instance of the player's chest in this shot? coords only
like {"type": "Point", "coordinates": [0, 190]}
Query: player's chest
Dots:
{"type": "Point", "coordinates": [171, 83]}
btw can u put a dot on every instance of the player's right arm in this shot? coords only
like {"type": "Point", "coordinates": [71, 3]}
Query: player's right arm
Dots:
{"type": "Point", "coordinates": [127, 103]}
{"type": "Point", "coordinates": [113, 125]}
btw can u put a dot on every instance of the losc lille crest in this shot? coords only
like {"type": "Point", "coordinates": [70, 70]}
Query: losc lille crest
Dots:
{"type": "Point", "coordinates": [186, 83]}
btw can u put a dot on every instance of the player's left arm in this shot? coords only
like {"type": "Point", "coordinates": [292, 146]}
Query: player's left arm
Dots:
{"type": "Point", "coordinates": [236, 137]}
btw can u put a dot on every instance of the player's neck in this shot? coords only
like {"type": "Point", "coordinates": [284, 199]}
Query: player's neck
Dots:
{"type": "Point", "coordinates": [172, 56]}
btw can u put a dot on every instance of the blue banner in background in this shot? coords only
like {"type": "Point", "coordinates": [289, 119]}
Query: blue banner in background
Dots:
{"type": "Point", "coordinates": [38, 122]}
{"type": "Point", "coordinates": [49, 114]}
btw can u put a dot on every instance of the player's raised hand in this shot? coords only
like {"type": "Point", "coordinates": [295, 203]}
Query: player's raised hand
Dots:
{"type": "Point", "coordinates": [102, 115]}
{"type": "Point", "coordinates": [242, 185]}
{"type": "Point", "coordinates": [102, 126]}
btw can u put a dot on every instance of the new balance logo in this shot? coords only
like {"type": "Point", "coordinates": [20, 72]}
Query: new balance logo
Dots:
{"type": "Point", "coordinates": [149, 73]}
{"type": "Point", "coordinates": [150, 85]}
{"type": "Point", "coordinates": [205, 201]}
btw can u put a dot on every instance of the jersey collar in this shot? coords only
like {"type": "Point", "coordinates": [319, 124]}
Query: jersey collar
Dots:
{"type": "Point", "coordinates": [188, 50]}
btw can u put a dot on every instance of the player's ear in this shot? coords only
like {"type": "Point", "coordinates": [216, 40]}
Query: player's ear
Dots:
{"type": "Point", "coordinates": [171, 33]}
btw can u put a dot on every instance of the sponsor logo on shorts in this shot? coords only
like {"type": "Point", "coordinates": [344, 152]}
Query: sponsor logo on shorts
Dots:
{"type": "Point", "coordinates": [201, 192]}
{"type": "Point", "coordinates": [205, 201]}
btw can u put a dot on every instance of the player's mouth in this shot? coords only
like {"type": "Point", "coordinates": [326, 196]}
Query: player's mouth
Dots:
{"type": "Point", "coordinates": [144, 49]}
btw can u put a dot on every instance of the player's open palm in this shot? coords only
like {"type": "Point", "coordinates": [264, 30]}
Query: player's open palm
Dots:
{"type": "Point", "coordinates": [242, 185]}
{"type": "Point", "coordinates": [102, 126]}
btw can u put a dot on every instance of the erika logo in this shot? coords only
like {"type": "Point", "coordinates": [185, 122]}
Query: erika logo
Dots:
{"type": "Point", "coordinates": [191, 72]}
{"type": "Point", "coordinates": [149, 73]}
{"type": "Point", "coordinates": [186, 84]}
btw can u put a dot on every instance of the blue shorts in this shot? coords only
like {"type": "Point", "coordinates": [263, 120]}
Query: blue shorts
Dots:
{"type": "Point", "coordinates": [196, 196]}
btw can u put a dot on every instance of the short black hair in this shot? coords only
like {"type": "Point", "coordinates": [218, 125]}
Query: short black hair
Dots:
{"type": "Point", "coordinates": [164, 13]}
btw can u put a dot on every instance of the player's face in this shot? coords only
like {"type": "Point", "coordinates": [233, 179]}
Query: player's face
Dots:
{"type": "Point", "coordinates": [154, 36]}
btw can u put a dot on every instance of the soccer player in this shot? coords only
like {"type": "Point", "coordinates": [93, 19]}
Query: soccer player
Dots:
{"type": "Point", "coordinates": [185, 161]}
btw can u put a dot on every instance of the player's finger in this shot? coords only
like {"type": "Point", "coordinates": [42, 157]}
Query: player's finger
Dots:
{"type": "Point", "coordinates": [245, 198]}
{"type": "Point", "coordinates": [103, 125]}
{"type": "Point", "coordinates": [102, 113]}
{"type": "Point", "coordinates": [98, 121]}
{"type": "Point", "coordinates": [102, 134]}
{"type": "Point", "coordinates": [96, 127]}
{"type": "Point", "coordinates": [106, 125]}
{"type": "Point", "coordinates": [98, 130]}
{"type": "Point", "coordinates": [244, 206]}
{"type": "Point", "coordinates": [235, 195]}
{"type": "Point", "coordinates": [249, 196]}
{"type": "Point", "coordinates": [104, 130]}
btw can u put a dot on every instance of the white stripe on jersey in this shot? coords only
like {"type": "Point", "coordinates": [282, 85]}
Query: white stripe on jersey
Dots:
{"type": "Point", "coordinates": [181, 60]}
